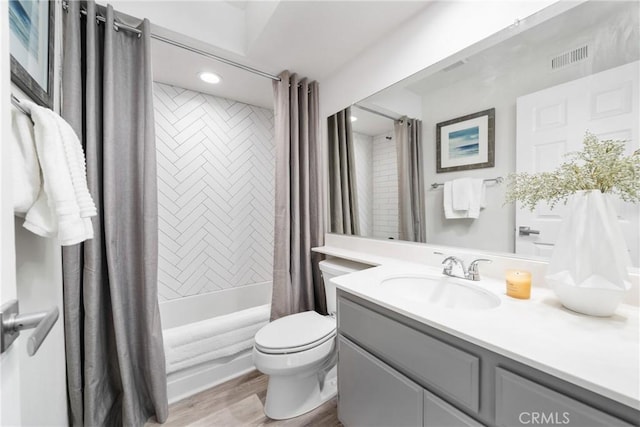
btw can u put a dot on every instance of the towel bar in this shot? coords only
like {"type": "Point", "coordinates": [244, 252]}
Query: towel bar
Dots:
{"type": "Point", "coordinates": [497, 180]}
{"type": "Point", "coordinates": [16, 102]}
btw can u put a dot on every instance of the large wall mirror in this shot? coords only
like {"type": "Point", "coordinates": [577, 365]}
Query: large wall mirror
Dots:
{"type": "Point", "coordinates": [546, 82]}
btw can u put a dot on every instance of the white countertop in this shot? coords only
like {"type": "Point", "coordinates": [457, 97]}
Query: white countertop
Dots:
{"type": "Point", "coordinates": [599, 354]}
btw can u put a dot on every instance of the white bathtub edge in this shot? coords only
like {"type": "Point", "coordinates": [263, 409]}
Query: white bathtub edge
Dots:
{"type": "Point", "coordinates": [180, 311]}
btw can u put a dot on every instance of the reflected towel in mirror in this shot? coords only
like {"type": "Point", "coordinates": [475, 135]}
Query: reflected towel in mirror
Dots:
{"type": "Point", "coordinates": [463, 198]}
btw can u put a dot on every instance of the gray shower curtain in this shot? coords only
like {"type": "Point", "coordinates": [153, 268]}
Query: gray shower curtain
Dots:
{"type": "Point", "coordinates": [115, 355]}
{"type": "Point", "coordinates": [299, 224]}
{"type": "Point", "coordinates": [343, 203]}
{"type": "Point", "coordinates": [411, 207]}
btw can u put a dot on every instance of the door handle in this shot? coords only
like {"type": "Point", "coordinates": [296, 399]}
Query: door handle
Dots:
{"type": "Point", "coordinates": [526, 231]}
{"type": "Point", "coordinates": [11, 323]}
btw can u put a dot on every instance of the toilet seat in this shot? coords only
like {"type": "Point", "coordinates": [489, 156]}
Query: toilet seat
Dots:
{"type": "Point", "coordinates": [295, 333]}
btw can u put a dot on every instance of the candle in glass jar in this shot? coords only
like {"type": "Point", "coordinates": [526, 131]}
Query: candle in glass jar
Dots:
{"type": "Point", "coordinates": [518, 284]}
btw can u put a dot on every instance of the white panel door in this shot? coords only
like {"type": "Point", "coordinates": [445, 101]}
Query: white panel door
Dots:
{"type": "Point", "coordinates": [10, 360]}
{"type": "Point", "coordinates": [32, 389]}
{"type": "Point", "coordinates": [553, 122]}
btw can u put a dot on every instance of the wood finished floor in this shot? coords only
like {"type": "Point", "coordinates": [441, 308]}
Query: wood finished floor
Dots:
{"type": "Point", "coordinates": [240, 402]}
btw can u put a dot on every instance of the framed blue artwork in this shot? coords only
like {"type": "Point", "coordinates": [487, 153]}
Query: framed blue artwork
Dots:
{"type": "Point", "coordinates": [466, 142]}
{"type": "Point", "coordinates": [31, 41]}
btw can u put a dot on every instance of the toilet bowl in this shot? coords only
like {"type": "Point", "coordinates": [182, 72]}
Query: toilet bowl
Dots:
{"type": "Point", "coordinates": [298, 352]}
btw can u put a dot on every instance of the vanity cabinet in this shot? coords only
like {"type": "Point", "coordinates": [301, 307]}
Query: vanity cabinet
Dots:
{"type": "Point", "coordinates": [438, 413]}
{"type": "Point", "coordinates": [368, 385]}
{"type": "Point", "coordinates": [516, 396]}
{"type": "Point", "coordinates": [393, 370]}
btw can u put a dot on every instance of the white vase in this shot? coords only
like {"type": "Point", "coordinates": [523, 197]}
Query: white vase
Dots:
{"type": "Point", "coordinates": [588, 266]}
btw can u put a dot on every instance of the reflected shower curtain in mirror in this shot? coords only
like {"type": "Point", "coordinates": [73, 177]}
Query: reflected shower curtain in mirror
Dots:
{"type": "Point", "coordinates": [411, 207]}
{"type": "Point", "coordinates": [299, 222]}
{"type": "Point", "coordinates": [343, 203]}
{"type": "Point", "coordinates": [115, 357]}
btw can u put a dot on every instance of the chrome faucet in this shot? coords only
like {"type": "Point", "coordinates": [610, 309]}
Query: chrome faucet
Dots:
{"type": "Point", "coordinates": [471, 274]}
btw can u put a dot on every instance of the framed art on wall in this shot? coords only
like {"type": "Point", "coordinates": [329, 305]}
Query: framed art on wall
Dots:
{"type": "Point", "coordinates": [466, 142]}
{"type": "Point", "coordinates": [31, 38]}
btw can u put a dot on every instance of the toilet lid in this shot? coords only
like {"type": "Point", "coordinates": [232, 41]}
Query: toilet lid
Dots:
{"type": "Point", "coordinates": [296, 332]}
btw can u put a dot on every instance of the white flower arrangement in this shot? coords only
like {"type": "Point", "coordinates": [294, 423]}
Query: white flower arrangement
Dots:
{"type": "Point", "coordinates": [601, 165]}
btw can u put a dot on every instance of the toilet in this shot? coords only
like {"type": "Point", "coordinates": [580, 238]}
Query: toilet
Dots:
{"type": "Point", "coordinates": [298, 352]}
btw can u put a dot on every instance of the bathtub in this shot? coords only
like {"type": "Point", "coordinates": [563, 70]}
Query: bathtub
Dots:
{"type": "Point", "coordinates": [200, 312]}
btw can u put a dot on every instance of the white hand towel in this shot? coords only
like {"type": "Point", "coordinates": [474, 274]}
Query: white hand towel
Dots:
{"type": "Point", "coordinates": [461, 194]}
{"type": "Point", "coordinates": [77, 167]}
{"type": "Point", "coordinates": [26, 169]}
{"type": "Point", "coordinates": [449, 212]}
{"type": "Point", "coordinates": [63, 206]}
{"type": "Point", "coordinates": [463, 198]}
{"type": "Point", "coordinates": [476, 185]}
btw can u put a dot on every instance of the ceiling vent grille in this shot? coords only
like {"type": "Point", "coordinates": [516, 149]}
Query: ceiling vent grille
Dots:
{"type": "Point", "coordinates": [571, 57]}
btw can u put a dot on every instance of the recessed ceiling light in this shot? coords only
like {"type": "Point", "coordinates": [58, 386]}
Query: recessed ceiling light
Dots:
{"type": "Point", "coordinates": [353, 118]}
{"type": "Point", "coordinates": [208, 77]}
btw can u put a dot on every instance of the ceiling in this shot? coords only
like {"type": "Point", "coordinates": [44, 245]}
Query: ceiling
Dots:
{"type": "Point", "coordinates": [370, 124]}
{"type": "Point", "coordinates": [311, 38]}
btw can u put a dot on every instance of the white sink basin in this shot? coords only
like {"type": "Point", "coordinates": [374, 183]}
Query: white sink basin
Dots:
{"type": "Point", "coordinates": [441, 291]}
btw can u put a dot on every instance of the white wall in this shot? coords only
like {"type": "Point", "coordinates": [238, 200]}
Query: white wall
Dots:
{"type": "Point", "coordinates": [385, 187]}
{"type": "Point", "coordinates": [216, 162]}
{"type": "Point", "coordinates": [440, 30]}
{"type": "Point", "coordinates": [363, 148]}
{"type": "Point", "coordinates": [493, 230]}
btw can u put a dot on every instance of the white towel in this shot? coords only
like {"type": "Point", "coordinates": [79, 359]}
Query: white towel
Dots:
{"type": "Point", "coordinates": [26, 169]}
{"type": "Point", "coordinates": [463, 198]}
{"type": "Point", "coordinates": [214, 338]}
{"type": "Point", "coordinates": [64, 206]}
{"type": "Point", "coordinates": [461, 194]}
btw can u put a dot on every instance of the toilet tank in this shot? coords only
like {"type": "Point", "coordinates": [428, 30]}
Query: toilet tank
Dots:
{"type": "Point", "coordinates": [335, 267]}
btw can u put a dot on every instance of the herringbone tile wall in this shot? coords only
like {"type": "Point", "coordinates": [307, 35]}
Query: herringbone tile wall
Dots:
{"type": "Point", "coordinates": [216, 160]}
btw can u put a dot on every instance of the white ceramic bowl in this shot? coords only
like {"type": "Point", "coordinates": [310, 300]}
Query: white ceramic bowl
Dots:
{"type": "Point", "coordinates": [592, 301]}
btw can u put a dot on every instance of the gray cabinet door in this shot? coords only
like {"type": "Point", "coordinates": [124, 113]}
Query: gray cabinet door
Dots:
{"type": "Point", "coordinates": [520, 402]}
{"type": "Point", "coordinates": [438, 413]}
{"type": "Point", "coordinates": [441, 367]}
{"type": "Point", "coordinates": [370, 393]}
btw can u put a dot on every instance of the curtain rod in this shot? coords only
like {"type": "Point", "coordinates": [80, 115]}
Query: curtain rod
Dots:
{"type": "Point", "coordinates": [375, 112]}
{"type": "Point", "coordinates": [118, 26]}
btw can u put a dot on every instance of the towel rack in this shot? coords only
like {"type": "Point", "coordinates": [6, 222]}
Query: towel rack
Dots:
{"type": "Point", "coordinates": [16, 102]}
{"type": "Point", "coordinates": [497, 180]}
